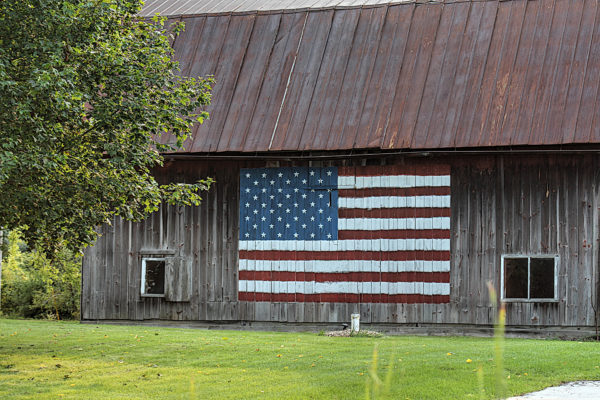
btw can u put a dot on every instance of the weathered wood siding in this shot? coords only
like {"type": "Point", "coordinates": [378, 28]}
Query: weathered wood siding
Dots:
{"type": "Point", "coordinates": [500, 205]}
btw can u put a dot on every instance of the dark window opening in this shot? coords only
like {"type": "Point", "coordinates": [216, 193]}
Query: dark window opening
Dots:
{"type": "Point", "coordinates": [529, 278]}
{"type": "Point", "coordinates": [154, 277]}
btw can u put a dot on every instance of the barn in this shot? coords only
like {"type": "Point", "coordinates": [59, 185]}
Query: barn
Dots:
{"type": "Point", "coordinates": [382, 158]}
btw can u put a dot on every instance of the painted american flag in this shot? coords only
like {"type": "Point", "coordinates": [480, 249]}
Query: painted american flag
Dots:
{"type": "Point", "coordinates": [372, 234]}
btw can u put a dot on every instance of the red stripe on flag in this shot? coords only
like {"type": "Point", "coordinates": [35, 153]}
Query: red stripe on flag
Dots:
{"type": "Point", "coordinates": [413, 191]}
{"type": "Point", "coordinates": [345, 255]}
{"type": "Point", "coordinates": [394, 212]}
{"type": "Point", "coordinates": [378, 170]}
{"type": "Point", "coordinates": [396, 234]}
{"type": "Point", "coordinates": [440, 277]}
{"type": "Point", "coordinates": [344, 298]}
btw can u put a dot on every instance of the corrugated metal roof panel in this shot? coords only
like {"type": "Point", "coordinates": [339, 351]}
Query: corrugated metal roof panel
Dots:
{"type": "Point", "coordinates": [401, 76]}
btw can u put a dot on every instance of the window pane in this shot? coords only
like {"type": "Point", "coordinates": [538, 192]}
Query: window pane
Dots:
{"type": "Point", "coordinates": [542, 278]}
{"type": "Point", "coordinates": [155, 277]}
{"type": "Point", "coordinates": [515, 278]}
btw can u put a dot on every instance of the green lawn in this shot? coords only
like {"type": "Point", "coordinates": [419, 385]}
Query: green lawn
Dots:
{"type": "Point", "coordinates": [66, 360]}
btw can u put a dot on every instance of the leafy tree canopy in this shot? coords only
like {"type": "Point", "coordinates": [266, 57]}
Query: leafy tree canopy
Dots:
{"type": "Point", "coordinates": [86, 91]}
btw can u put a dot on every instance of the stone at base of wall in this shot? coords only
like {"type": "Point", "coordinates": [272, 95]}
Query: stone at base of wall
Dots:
{"type": "Point", "coordinates": [551, 332]}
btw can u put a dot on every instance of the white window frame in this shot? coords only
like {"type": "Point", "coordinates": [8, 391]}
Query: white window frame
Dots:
{"type": "Point", "coordinates": [143, 280]}
{"type": "Point", "coordinates": [529, 299]}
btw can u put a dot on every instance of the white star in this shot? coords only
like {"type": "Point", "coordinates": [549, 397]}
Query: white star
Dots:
{"type": "Point", "coordinates": [304, 181]}
{"type": "Point", "coordinates": [271, 211]}
{"type": "Point", "coordinates": [288, 181]}
{"type": "Point", "coordinates": [328, 219]}
{"type": "Point", "coordinates": [247, 218]}
{"type": "Point", "coordinates": [329, 236]}
{"type": "Point", "coordinates": [287, 225]}
{"type": "Point", "coordinates": [296, 205]}
{"type": "Point", "coordinates": [320, 195]}
{"type": "Point", "coordinates": [296, 190]}
{"type": "Point", "coordinates": [303, 195]}
{"type": "Point", "coordinates": [280, 190]}
{"type": "Point", "coordinates": [279, 204]}
{"type": "Point", "coordinates": [247, 175]}
{"type": "Point", "coordinates": [247, 234]}
{"type": "Point", "coordinates": [280, 175]}
{"type": "Point", "coordinates": [255, 211]}
{"type": "Point", "coordinates": [287, 196]}
{"type": "Point", "coordinates": [264, 175]}
{"type": "Point", "coordinates": [264, 205]}
{"type": "Point", "coordinates": [279, 219]}
{"type": "Point", "coordinates": [312, 235]}
{"type": "Point", "coordinates": [295, 235]}
{"type": "Point", "coordinates": [255, 197]}
{"type": "Point", "coordinates": [296, 174]}
{"type": "Point", "coordinates": [255, 226]}
{"type": "Point", "coordinates": [263, 234]}
{"type": "Point", "coordinates": [264, 190]}
{"type": "Point", "coordinates": [312, 173]}
{"type": "Point", "coordinates": [312, 190]}
{"type": "Point", "coordinates": [328, 173]}
{"type": "Point", "coordinates": [320, 181]}
{"type": "Point", "coordinates": [271, 197]}
{"type": "Point", "coordinates": [271, 226]}
{"type": "Point", "coordinates": [312, 203]}
{"type": "Point", "coordinates": [255, 183]}
{"type": "Point", "coordinates": [272, 182]}
{"type": "Point", "coordinates": [279, 235]}
{"type": "Point", "coordinates": [295, 218]}
{"type": "Point", "coordinates": [321, 226]}
{"type": "Point", "coordinates": [263, 219]}
{"type": "Point", "coordinates": [247, 190]}
{"type": "Point", "coordinates": [304, 226]}
{"type": "Point", "coordinates": [320, 211]}
{"type": "Point", "coordinates": [287, 210]}
{"type": "Point", "coordinates": [312, 218]}
{"type": "Point", "coordinates": [303, 211]}
{"type": "Point", "coordinates": [247, 205]}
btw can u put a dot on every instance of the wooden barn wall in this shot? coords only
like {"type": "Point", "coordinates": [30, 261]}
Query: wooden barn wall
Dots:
{"type": "Point", "coordinates": [500, 205]}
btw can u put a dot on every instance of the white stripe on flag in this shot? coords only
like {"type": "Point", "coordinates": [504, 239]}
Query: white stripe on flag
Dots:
{"type": "Point", "coordinates": [376, 224]}
{"type": "Point", "coordinates": [392, 181]}
{"type": "Point", "coordinates": [424, 288]}
{"type": "Point", "coordinates": [341, 266]}
{"type": "Point", "coordinates": [395, 202]}
{"type": "Point", "coordinates": [347, 245]}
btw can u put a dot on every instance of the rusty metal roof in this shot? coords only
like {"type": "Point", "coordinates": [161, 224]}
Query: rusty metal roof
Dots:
{"type": "Point", "coordinates": [397, 76]}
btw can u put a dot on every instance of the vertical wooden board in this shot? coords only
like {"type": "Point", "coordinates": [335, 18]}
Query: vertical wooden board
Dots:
{"type": "Point", "coordinates": [356, 79]}
{"type": "Point", "coordinates": [262, 311]}
{"type": "Point", "coordinates": [491, 129]}
{"type": "Point", "coordinates": [381, 90]}
{"type": "Point", "coordinates": [185, 44]}
{"type": "Point", "coordinates": [478, 62]}
{"type": "Point", "coordinates": [584, 243]}
{"type": "Point", "coordinates": [250, 80]}
{"type": "Point", "coordinates": [365, 313]}
{"type": "Point", "coordinates": [588, 126]}
{"type": "Point", "coordinates": [302, 81]}
{"type": "Point", "coordinates": [476, 135]}
{"type": "Point", "coordinates": [572, 62]}
{"type": "Point", "coordinates": [279, 66]}
{"type": "Point", "coordinates": [87, 264]}
{"type": "Point", "coordinates": [516, 88]}
{"type": "Point", "coordinates": [314, 131]}
{"type": "Point", "coordinates": [461, 76]}
{"type": "Point", "coordinates": [310, 312]}
{"type": "Point", "coordinates": [205, 62]}
{"type": "Point", "coordinates": [583, 82]}
{"type": "Point", "coordinates": [555, 73]}
{"type": "Point", "coordinates": [532, 84]}
{"type": "Point", "coordinates": [434, 82]}
{"type": "Point", "coordinates": [228, 70]}
{"type": "Point", "coordinates": [416, 55]}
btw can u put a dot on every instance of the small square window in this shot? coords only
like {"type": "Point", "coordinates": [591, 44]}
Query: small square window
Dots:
{"type": "Point", "coordinates": [153, 277]}
{"type": "Point", "coordinates": [529, 278]}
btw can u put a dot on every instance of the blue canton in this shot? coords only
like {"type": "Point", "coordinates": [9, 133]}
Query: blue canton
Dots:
{"type": "Point", "coordinates": [295, 203]}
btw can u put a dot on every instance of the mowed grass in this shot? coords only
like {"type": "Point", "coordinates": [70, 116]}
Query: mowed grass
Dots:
{"type": "Point", "coordinates": [67, 360]}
